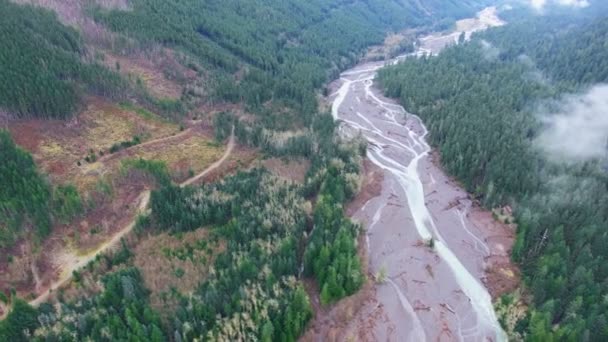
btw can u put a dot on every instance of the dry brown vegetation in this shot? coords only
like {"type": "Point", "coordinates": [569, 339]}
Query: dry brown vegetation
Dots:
{"type": "Point", "coordinates": [34, 265]}
{"type": "Point", "coordinates": [192, 154]}
{"type": "Point", "coordinates": [148, 70]}
{"type": "Point", "coordinates": [170, 263]}
{"type": "Point", "coordinates": [71, 12]}
{"type": "Point", "coordinates": [58, 146]}
{"type": "Point", "coordinates": [293, 170]}
{"type": "Point", "coordinates": [511, 309]}
{"type": "Point", "coordinates": [393, 43]}
{"type": "Point", "coordinates": [113, 210]}
{"type": "Point", "coordinates": [241, 159]}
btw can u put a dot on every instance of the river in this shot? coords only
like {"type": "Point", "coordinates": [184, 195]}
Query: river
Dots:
{"type": "Point", "coordinates": [419, 230]}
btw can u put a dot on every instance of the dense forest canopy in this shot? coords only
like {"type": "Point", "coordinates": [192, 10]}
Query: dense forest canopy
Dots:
{"type": "Point", "coordinates": [27, 200]}
{"type": "Point", "coordinates": [24, 193]}
{"type": "Point", "coordinates": [42, 72]}
{"type": "Point", "coordinates": [481, 103]}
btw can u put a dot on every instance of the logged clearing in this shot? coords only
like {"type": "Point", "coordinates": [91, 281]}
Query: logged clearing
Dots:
{"type": "Point", "coordinates": [59, 147]}
{"type": "Point", "coordinates": [393, 45]}
{"type": "Point", "coordinates": [148, 70]}
{"type": "Point", "coordinates": [70, 257]}
{"type": "Point", "coordinates": [187, 157]}
{"type": "Point", "coordinates": [71, 12]}
{"type": "Point", "coordinates": [179, 261]}
{"type": "Point", "coordinates": [71, 260]}
{"type": "Point", "coordinates": [293, 170]}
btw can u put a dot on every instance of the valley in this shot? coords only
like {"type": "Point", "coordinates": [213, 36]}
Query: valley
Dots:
{"type": "Point", "coordinates": [303, 170]}
{"type": "Point", "coordinates": [428, 240]}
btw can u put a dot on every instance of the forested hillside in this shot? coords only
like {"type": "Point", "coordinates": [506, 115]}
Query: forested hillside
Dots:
{"type": "Point", "coordinates": [274, 50]}
{"type": "Point", "coordinates": [43, 73]}
{"type": "Point", "coordinates": [481, 103]}
{"type": "Point", "coordinates": [27, 200]}
{"type": "Point", "coordinates": [255, 51]}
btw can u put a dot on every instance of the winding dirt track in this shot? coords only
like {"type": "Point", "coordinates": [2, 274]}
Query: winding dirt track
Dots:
{"type": "Point", "coordinates": [70, 262]}
{"type": "Point", "coordinates": [166, 139]}
{"type": "Point", "coordinates": [214, 165]}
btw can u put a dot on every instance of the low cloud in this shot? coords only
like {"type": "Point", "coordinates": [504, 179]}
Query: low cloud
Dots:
{"type": "Point", "coordinates": [540, 4]}
{"type": "Point", "coordinates": [533, 73]}
{"type": "Point", "coordinates": [490, 52]}
{"type": "Point", "coordinates": [578, 130]}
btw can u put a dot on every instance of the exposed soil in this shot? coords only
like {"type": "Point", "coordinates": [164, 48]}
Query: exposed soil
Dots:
{"type": "Point", "coordinates": [69, 261]}
{"type": "Point", "coordinates": [242, 158]}
{"type": "Point", "coordinates": [292, 170]}
{"type": "Point", "coordinates": [434, 43]}
{"type": "Point", "coordinates": [66, 261]}
{"type": "Point", "coordinates": [29, 134]}
{"type": "Point", "coordinates": [72, 246]}
{"type": "Point", "coordinates": [169, 261]}
{"type": "Point", "coordinates": [391, 46]}
{"type": "Point", "coordinates": [159, 69]}
{"type": "Point", "coordinates": [60, 147]}
{"type": "Point", "coordinates": [371, 187]}
{"type": "Point", "coordinates": [502, 275]}
{"type": "Point", "coordinates": [149, 70]}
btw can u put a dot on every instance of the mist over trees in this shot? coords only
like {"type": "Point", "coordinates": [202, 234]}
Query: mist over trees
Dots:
{"type": "Point", "coordinates": [481, 110]}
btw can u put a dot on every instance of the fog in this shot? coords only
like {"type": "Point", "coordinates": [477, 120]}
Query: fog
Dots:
{"type": "Point", "coordinates": [540, 4]}
{"type": "Point", "coordinates": [490, 52]}
{"type": "Point", "coordinates": [578, 130]}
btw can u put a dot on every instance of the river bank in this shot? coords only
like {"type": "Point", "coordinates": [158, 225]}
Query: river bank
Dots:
{"type": "Point", "coordinates": [436, 247]}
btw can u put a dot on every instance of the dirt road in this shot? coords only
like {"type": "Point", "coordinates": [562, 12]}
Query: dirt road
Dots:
{"type": "Point", "coordinates": [71, 261]}
{"type": "Point", "coordinates": [215, 165]}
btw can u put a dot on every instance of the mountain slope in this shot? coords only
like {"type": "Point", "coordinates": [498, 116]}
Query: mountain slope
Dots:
{"type": "Point", "coordinates": [43, 73]}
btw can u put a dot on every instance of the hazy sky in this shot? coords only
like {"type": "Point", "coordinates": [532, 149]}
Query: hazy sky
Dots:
{"type": "Point", "coordinates": [540, 4]}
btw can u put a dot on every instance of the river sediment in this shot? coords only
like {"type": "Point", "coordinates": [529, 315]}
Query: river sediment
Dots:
{"type": "Point", "coordinates": [422, 230]}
